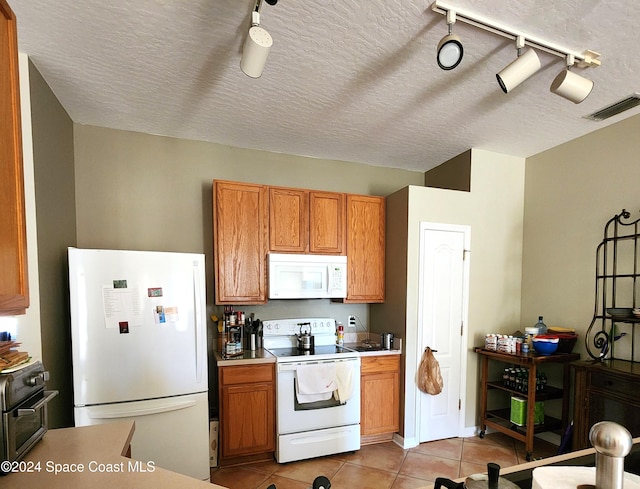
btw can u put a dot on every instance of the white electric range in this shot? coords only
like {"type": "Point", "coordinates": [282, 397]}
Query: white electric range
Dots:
{"type": "Point", "coordinates": [307, 429]}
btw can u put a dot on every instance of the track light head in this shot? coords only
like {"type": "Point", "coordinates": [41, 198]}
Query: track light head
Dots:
{"type": "Point", "coordinates": [525, 65]}
{"type": "Point", "coordinates": [255, 51]}
{"type": "Point", "coordinates": [571, 86]}
{"type": "Point", "coordinates": [450, 50]}
{"type": "Point", "coordinates": [256, 45]}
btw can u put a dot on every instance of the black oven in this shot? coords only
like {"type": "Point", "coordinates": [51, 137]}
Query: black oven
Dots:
{"type": "Point", "coordinates": [23, 400]}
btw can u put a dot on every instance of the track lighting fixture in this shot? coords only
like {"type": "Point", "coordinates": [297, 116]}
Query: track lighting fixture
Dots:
{"type": "Point", "coordinates": [257, 44]}
{"type": "Point", "coordinates": [571, 86]}
{"type": "Point", "coordinates": [450, 50]}
{"type": "Point", "coordinates": [520, 69]}
{"type": "Point", "coordinates": [567, 84]}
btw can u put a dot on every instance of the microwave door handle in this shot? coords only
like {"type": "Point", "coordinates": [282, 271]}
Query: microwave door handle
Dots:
{"type": "Point", "coordinates": [330, 279]}
{"type": "Point", "coordinates": [32, 410]}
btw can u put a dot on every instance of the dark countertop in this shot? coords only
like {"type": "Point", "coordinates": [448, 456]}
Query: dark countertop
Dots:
{"type": "Point", "coordinates": [373, 351]}
{"type": "Point", "coordinates": [248, 357]}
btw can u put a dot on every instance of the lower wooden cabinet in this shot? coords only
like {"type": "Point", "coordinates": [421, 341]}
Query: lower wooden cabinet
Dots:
{"type": "Point", "coordinates": [605, 391]}
{"type": "Point", "coordinates": [247, 413]}
{"type": "Point", "coordinates": [380, 397]}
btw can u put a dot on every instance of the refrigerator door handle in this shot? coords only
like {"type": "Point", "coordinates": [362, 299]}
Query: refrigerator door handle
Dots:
{"type": "Point", "coordinates": [198, 320]}
{"type": "Point", "coordinates": [128, 413]}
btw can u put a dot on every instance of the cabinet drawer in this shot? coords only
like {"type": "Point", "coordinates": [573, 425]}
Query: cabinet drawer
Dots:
{"type": "Point", "coordinates": [619, 385]}
{"type": "Point", "coordinates": [381, 363]}
{"type": "Point", "coordinates": [246, 374]}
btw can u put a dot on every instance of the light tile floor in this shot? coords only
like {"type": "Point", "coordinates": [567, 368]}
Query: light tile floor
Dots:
{"type": "Point", "coordinates": [386, 465]}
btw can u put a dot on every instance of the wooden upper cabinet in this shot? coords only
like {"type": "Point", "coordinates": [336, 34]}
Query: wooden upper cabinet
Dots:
{"type": "Point", "coordinates": [14, 290]}
{"type": "Point", "coordinates": [327, 216]}
{"type": "Point", "coordinates": [306, 221]}
{"type": "Point", "coordinates": [365, 248]}
{"type": "Point", "coordinates": [240, 220]}
{"type": "Point", "coordinates": [288, 220]}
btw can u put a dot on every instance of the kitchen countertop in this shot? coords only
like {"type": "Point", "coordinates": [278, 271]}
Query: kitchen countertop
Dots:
{"type": "Point", "coordinates": [263, 356]}
{"type": "Point", "coordinates": [97, 450]}
{"type": "Point", "coordinates": [372, 353]}
{"type": "Point", "coordinates": [249, 357]}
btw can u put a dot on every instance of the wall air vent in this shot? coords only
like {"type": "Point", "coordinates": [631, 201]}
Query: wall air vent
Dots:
{"type": "Point", "coordinates": [616, 108]}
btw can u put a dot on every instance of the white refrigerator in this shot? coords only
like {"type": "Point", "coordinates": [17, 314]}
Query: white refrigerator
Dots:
{"type": "Point", "coordinates": [139, 351]}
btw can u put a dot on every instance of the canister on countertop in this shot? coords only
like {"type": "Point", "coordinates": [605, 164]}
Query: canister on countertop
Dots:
{"type": "Point", "coordinates": [386, 341]}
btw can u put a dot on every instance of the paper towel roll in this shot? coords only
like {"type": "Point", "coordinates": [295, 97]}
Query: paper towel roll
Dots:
{"type": "Point", "coordinates": [573, 477]}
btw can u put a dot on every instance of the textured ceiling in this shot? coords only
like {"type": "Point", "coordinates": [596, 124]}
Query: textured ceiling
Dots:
{"type": "Point", "coordinates": [345, 79]}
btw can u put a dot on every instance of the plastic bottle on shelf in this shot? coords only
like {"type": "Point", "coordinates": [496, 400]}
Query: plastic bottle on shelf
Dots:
{"type": "Point", "coordinates": [340, 334]}
{"type": "Point", "coordinates": [542, 328]}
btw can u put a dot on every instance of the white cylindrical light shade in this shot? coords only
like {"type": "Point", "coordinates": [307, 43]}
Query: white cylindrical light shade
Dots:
{"type": "Point", "coordinates": [518, 71]}
{"type": "Point", "coordinates": [571, 86]}
{"type": "Point", "coordinates": [255, 51]}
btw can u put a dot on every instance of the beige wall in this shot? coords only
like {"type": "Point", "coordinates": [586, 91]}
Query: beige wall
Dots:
{"type": "Point", "coordinates": [494, 211]}
{"type": "Point", "coordinates": [571, 192]}
{"type": "Point", "coordinates": [141, 191]}
{"type": "Point", "coordinates": [55, 209]}
{"type": "Point", "coordinates": [454, 174]}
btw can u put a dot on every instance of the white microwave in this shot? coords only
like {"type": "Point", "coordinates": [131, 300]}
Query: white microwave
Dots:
{"type": "Point", "coordinates": [307, 276]}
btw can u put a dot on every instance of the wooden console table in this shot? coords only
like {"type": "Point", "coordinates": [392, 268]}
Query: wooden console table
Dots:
{"type": "Point", "coordinates": [500, 419]}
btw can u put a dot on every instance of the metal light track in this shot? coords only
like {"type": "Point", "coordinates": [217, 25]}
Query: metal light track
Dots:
{"type": "Point", "coordinates": [582, 60]}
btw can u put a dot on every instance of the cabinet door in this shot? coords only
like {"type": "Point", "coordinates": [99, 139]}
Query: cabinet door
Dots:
{"type": "Point", "coordinates": [14, 292]}
{"type": "Point", "coordinates": [327, 215]}
{"type": "Point", "coordinates": [240, 216]}
{"type": "Point", "coordinates": [379, 405]}
{"type": "Point", "coordinates": [248, 419]}
{"type": "Point", "coordinates": [365, 248]}
{"type": "Point", "coordinates": [288, 220]}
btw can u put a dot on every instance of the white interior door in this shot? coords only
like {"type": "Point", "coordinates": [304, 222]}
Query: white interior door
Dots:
{"type": "Point", "coordinates": [441, 320]}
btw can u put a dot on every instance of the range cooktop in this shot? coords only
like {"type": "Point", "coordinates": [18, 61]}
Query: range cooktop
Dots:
{"type": "Point", "coordinates": [318, 350]}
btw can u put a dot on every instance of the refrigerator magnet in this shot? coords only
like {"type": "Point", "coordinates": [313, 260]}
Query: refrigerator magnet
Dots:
{"type": "Point", "coordinates": [159, 315]}
{"type": "Point", "coordinates": [154, 291]}
{"type": "Point", "coordinates": [124, 327]}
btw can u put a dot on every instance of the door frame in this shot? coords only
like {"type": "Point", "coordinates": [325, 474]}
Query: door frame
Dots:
{"type": "Point", "coordinates": [466, 231]}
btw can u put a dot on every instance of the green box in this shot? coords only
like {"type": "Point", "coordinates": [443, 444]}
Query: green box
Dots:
{"type": "Point", "coordinates": [519, 412]}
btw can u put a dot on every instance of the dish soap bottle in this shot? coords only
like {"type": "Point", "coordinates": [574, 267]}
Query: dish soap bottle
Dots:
{"type": "Point", "coordinates": [542, 328]}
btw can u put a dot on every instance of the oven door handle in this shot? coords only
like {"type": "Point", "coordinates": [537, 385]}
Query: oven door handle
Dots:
{"type": "Point", "coordinates": [291, 366]}
{"type": "Point", "coordinates": [27, 411]}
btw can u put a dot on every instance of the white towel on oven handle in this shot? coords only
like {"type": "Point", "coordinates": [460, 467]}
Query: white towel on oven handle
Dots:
{"type": "Point", "coordinates": [315, 382]}
{"type": "Point", "coordinates": [344, 376]}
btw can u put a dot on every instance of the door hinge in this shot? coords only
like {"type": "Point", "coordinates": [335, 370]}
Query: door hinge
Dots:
{"type": "Point", "coordinates": [462, 328]}
{"type": "Point", "coordinates": [464, 254]}
{"type": "Point", "coordinates": [459, 404]}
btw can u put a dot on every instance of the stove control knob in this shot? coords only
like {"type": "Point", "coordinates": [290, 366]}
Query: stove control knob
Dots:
{"type": "Point", "coordinates": [38, 379]}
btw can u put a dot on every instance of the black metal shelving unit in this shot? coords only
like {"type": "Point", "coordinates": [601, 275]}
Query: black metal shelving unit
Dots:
{"type": "Point", "coordinates": [616, 292]}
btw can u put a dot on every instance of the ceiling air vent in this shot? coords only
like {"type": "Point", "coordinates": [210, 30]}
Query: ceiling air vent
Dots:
{"type": "Point", "coordinates": [616, 108]}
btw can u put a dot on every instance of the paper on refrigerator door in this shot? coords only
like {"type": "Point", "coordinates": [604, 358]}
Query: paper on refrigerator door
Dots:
{"type": "Point", "coordinates": [121, 305]}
